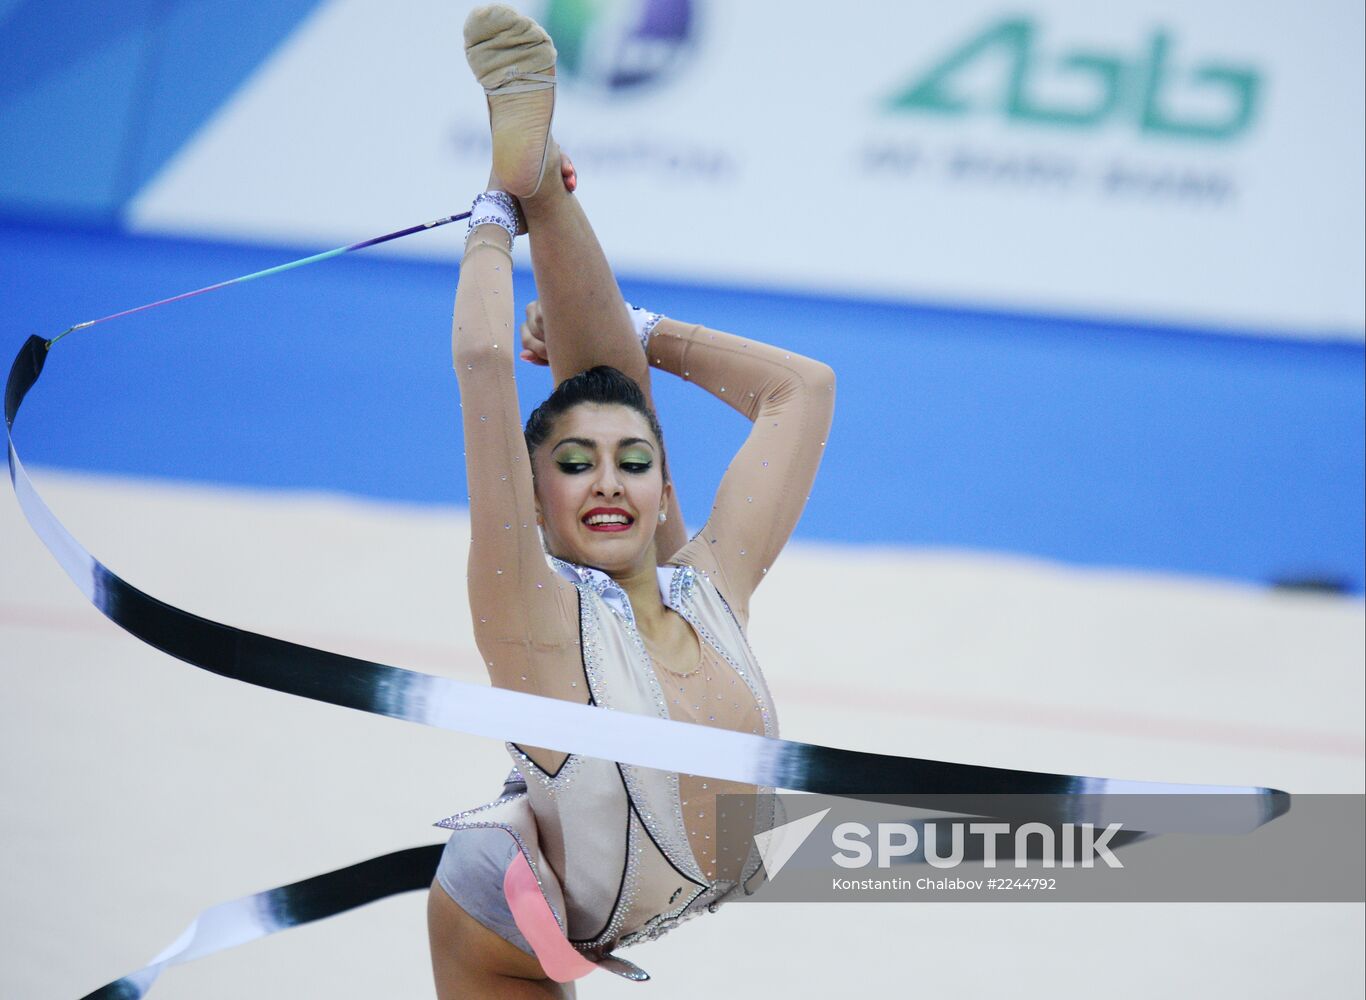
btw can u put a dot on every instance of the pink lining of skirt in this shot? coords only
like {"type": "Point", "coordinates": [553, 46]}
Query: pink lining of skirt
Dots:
{"type": "Point", "coordinates": [538, 925]}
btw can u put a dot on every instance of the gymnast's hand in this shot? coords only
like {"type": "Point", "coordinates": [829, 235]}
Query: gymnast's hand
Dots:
{"type": "Point", "coordinates": [533, 330]}
{"type": "Point", "coordinates": [568, 174]}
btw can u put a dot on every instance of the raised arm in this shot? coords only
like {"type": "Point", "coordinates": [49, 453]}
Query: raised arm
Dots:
{"type": "Point", "coordinates": [581, 306]}
{"type": "Point", "coordinates": [790, 400]}
{"type": "Point", "coordinates": [525, 616]}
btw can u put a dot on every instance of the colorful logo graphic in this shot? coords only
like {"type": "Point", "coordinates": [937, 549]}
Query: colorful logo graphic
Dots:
{"type": "Point", "coordinates": [1143, 89]}
{"type": "Point", "coordinates": [619, 45]}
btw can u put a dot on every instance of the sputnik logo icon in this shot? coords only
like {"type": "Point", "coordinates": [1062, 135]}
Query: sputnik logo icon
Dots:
{"type": "Point", "coordinates": [777, 846]}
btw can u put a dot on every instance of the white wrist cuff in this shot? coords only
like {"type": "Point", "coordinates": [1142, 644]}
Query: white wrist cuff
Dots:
{"type": "Point", "coordinates": [496, 208]}
{"type": "Point", "coordinates": [645, 322]}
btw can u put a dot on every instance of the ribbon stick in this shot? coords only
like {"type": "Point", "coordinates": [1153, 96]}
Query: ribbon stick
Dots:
{"type": "Point", "coordinates": [277, 269]}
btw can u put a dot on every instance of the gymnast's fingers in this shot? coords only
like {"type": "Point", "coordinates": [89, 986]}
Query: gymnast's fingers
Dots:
{"type": "Point", "coordinates": [535, 318]}
{"type": "Point", "coordinates": [568, 173]}
{"type": "Point", "coordinates": [533, 347]}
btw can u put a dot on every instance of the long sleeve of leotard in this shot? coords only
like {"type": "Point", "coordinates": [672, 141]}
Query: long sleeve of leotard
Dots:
{"type": "Point", "coordinates": [525, 616]}
{"type": "Point", "coordinates": [791, 401]}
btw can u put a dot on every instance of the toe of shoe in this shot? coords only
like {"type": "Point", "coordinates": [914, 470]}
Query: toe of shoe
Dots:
{"type": "Point", "coordinates": [487, 22]}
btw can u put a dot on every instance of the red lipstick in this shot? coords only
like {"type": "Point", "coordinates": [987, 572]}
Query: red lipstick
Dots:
{"type": "Point", "coordinates": [608, 519]}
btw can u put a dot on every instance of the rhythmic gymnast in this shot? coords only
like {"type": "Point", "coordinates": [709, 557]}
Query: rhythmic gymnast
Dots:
{"type": "Point", "coordinates": [616, 606]}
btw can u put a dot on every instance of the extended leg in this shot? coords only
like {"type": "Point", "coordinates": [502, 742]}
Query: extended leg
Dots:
{"type": "Point", "coordinates": [514, 60]}
{"type": "Point", "coordinates": [585, 316]}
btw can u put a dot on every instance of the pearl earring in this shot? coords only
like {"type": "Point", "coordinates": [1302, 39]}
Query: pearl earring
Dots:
{"type": "Point", "coordinates": [663, 517]}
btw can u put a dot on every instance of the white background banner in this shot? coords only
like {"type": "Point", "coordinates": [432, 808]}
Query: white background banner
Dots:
{"type": "Point", "coordinates": [1197, 164]}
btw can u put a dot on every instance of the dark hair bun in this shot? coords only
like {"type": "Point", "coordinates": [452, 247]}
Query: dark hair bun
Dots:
{"type": "Point", "coordinates": [604, 385]}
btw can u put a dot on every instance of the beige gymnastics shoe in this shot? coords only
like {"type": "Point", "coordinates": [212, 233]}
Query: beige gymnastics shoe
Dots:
{"type": "Point", "coordinates": [514, 60]}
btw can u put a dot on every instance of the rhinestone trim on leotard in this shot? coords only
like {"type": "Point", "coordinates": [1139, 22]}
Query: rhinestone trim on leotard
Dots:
{"type": "Point", "coordinates": [552, 783]}
{"type": "Point", "coordinates": [629, 887]}
{"type": "Point", "coordinates": [680, 599]}
{"type": "Point", "coordinates": [457, 823]}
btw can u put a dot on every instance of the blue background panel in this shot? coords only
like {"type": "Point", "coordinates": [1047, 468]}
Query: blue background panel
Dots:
{"type": "Point", "coordinates": [1103, 444]}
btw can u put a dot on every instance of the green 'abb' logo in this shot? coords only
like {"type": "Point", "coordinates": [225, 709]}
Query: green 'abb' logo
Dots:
{"type": "Point", "coordinates": [1133, 89]}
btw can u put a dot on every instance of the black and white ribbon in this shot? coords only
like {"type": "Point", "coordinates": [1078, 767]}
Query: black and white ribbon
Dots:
{"type": "Point", "coordinates": [241, 920]}
{"type": "Point", "coordinates": [557, 725]}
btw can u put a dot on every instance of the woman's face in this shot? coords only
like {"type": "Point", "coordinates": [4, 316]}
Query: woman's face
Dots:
{"type": "Point", "coordinates": [599, 487]}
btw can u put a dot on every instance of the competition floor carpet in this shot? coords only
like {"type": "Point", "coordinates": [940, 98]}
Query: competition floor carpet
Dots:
{"type": "Point", "coordinates": [136, 790]}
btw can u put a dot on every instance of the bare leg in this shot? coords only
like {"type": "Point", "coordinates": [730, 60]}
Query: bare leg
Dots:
{"type": "Point", "coordinates": [585, 315]}
{"type": "Point", "coordinates": [514, 60]}
{"type": "Point", "coordinates": [469, 960]}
